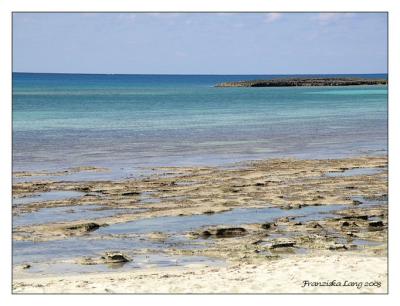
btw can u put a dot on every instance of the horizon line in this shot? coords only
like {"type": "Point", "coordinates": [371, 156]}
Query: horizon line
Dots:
{"type": "Point", "coordinates": [208, 74]}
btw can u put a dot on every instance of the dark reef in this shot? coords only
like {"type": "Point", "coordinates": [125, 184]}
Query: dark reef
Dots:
{"type": "Point", "coordinates": [296, 82]}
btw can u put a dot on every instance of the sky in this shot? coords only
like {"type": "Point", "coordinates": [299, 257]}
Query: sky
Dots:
{"type": "Point", "coordinates": [200, 43]}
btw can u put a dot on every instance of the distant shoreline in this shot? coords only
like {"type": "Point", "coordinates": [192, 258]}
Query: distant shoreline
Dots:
{"type": "Point", "coordinates": [304, 82]}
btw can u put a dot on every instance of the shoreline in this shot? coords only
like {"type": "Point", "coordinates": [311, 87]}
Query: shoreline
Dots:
{"type": "Point", "coordinates": [276, 212]}
{"type": "Point", "coordinates": [285, 275]}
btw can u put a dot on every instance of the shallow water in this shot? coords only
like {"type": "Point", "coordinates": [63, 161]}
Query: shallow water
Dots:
{"type": "Point", "coordinates": [111, 175]}
{"type": "Point", "coordinates": [138, 262]}
{"type": "Point", "coordinates": [365, 243]}
{"type": "Point", "coordinates": [96, 242]}
{"type": "Point", "coordinates": [68, 213]}
{"type": "Point", "coordinates": [29, 251]}
{"type": "Point", "coordinates": [48, 196]}
{"type": "Point", "coordinates": [368, 202]}
{"type": "Point", "coordinates": [356, 171]}
{"type": "Point", "coordinates": [234, 217]}
{"type": "Point", "coordinates": [147, 198]}
{"type": "Point", "coordinates": [319, 215]}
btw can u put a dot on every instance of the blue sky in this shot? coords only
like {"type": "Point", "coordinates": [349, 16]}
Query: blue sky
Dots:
{"type": "Point", "coordinates": [200, 43]}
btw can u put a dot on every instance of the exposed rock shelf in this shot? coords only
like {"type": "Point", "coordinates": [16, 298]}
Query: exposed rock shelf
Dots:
{"type": "Point", "coordinates": [297, 82]}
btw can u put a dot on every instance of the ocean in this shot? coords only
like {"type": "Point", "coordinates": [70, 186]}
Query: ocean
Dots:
{"type": "Point", "coordinates": [127, 122]}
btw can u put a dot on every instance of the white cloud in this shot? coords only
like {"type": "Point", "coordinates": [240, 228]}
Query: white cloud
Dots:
{"type": "Point", "coordinates": [272, 17]}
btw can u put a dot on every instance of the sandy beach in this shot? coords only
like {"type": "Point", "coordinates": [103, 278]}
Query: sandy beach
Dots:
{"type": "Point", "coordinates": [337, 273]}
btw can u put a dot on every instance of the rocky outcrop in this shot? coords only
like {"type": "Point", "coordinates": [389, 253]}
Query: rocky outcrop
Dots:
{"type": "Point", "coordinates": [112, 257]}
{"type": "Point", "coordinates": [309, 82]}
{"type": "Point", "coordinates": [84, 227]}
{"type": "Point", "coordinates": [115, 257]}
{"type": "Point", "coordinates": [282, 243]}
{"type": "Point", "coordinates": [376, 224]}
{"type": "Point", "coordinates": [223, 232]}
{"type": "Point", "coordinates": [335, 247]}
{"type": "Point", "coordinates": [268, 225]}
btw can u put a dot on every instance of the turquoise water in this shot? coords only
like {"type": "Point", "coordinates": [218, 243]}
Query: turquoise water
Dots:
{"type": "Point", "coordinates": [131, 121]}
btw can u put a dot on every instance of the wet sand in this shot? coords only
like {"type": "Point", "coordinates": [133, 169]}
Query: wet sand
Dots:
{"type": "Point", "coordinates": [328, 222]}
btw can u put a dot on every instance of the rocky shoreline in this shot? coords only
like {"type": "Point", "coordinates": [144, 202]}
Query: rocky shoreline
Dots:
{"type": "Point", "coordinates": [290, 211]}
{"type": "Point", "coordinates": [305, 82]}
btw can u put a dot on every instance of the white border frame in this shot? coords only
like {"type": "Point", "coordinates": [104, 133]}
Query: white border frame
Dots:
{"type": "Point", "coordinates": [7, 6]}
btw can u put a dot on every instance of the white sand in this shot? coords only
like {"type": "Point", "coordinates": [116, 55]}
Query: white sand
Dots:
{"type": "Point", "coordinates": [278, 276]}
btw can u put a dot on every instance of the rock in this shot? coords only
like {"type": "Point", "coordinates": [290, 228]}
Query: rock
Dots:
{"type": "Point", "coordinates": [26, 266]}
{"type": "Point", "coordinates": [347, 224]}
{"type": "Point", "coordinates": [157, 236]}
{"type": "Point", "coordinates": [131, 193]}
{"type": "Point", "coordinates": [257, 242]}
{"type": "Point", "coordinates": [335, 247]}
{"type": "Point", "coordinates": [382, 197]}
{"type": "Point", "coordinates": [361, 217]}
{"type": "Point", "coordinates": [115, 257]}
{"type": "Point", "coordinates": [283, 220]}
{"type": "Point", "coordinates": [356, 202]}
{"type": "Point", "coordinates": [223, 232]}
{"type": "Point", "coordinates": [376, 224]}
{"type": "Point", "coordinates": [267, 225]}
{"type": "Point", "coordinates": [205, 234]}
{"type": "Point", "coordinates": [88, 261]}
{"type": "Point", "coordinates": [108, 258]}
{"type": "Point", "coordinates": [83, 189]}
{"type": "Point", "coordinates": [209, 212]}
{"type": "Point", "coordinates": [282, 244]}
{"type": "Point", "coordinates": [293, 206]}
{"type": "Point", "coordinates": [230, 232]}
{"type": "Point", "coordinates": [86, 227]}
{"type": "Point", "coordinates": [314, 225]}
